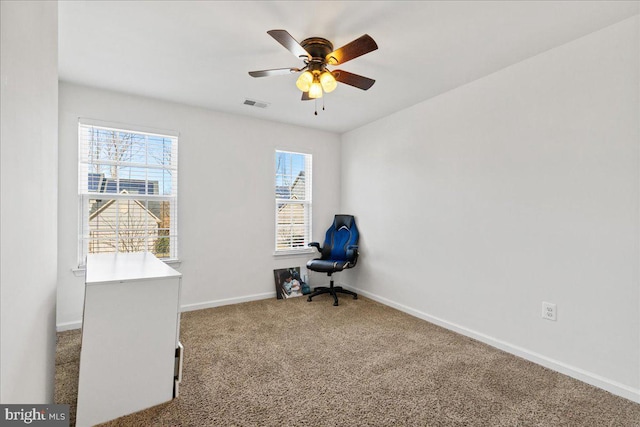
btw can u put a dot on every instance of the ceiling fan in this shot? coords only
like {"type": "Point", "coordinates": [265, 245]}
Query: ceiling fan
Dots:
{"type": "Point", "coordinates": [317, 53]}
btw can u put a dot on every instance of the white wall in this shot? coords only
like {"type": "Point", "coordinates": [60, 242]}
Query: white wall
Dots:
{"type": "Point", "coordinates": [29, 168]}
{"type": "Point", "coordinates": [518, 188]}
{"type": "Point", "coordinates": [226, 195]}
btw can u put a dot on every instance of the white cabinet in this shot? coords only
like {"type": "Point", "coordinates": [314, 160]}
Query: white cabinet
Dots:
{"type": "Point", "coordinates": [130, 332]}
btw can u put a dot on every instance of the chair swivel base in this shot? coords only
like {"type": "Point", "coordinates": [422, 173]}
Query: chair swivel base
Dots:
{"type": "Point", "coordinates": [333, 290]}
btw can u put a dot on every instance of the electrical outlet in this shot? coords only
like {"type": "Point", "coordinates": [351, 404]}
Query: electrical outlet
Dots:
{"type": "Point", "coordinates": [548, 311]}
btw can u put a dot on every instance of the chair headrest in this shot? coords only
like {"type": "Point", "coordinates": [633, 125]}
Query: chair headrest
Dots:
{"type": "Point", "coordinates": [341, 221]}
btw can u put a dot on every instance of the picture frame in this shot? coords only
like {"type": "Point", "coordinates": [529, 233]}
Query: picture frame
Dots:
{"type": "Point", "coordinates": [289, 283]}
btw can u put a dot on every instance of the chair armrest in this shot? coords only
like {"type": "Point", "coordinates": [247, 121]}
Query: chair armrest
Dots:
{"type": "Point", "coordinates": [316, 245]}
{"type": "Point", "coordinates": [352, 254]}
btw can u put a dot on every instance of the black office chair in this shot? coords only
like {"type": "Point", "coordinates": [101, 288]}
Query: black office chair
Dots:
{"type": "Point", "coordinates": [340, 251]}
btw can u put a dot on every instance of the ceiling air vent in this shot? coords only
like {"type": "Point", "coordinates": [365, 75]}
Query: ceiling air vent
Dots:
{"type": "Point", "coordinates": [255, 103]}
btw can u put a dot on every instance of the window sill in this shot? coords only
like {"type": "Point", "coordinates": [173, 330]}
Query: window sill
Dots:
{"type": "Point", "coordinates": [305, 251]}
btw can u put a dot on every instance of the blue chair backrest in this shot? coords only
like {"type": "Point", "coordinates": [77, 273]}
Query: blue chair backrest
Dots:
{"type": "Point", "coordinates": [339, 237]}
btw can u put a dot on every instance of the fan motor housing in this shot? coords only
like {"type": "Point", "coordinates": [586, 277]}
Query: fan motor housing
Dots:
{"type": "Point", "coordinates": [317, 47]}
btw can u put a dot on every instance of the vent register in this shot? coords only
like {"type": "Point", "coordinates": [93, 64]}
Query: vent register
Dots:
{"type": "Point", "coordinates": [254, 103]}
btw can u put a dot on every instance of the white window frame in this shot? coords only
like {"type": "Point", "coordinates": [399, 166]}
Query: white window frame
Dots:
{"type": "Point", "coordinates": [84, 195]}
{"type": "Point", "coordinates": [306, 203]}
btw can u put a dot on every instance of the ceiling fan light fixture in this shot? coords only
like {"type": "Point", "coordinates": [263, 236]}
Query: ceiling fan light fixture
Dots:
{"type": "Point", "coordinates": [328, 82]}
{"type": "Point", "coordinates": [304, 81]}
{"type": "Point", "coordinates": [315, 90]}
{"type": "Point", "coordinates": [317, 53]}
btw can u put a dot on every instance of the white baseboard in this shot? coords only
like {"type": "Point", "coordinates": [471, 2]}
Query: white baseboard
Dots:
{"type": "Point", "coordinates": [227, 301]}
{"type": "Point", "coordinates": [67, 326]}
{"type": "Point", "coordinates": [613, 387]}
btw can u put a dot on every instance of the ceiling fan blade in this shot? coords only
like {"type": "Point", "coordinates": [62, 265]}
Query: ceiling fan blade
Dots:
{"type": "Point", "coordinates": [291, 44]}
{"type": "Point", "coordinates": [358, 47]}
{"type": "Point", "coordinates": [305, 96]}
{"type": "Point", "coordinates": [274, 72]}
{"type": "Point", "coordinates": [354, 80]}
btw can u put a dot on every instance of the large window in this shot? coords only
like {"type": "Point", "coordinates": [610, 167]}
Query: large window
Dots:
{"type": "Point", "coordinates": [293, 201]}
{"type": "Point", "coordinates": [128, 188]}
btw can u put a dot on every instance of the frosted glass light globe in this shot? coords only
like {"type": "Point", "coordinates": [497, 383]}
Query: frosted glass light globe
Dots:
{"type": "Point", "coordinates": [304, 81]}
{"type": "Point", "coordinates": [328, 82]}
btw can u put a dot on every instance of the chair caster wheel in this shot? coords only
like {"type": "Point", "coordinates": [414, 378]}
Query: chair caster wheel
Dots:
{"type": "Point", "coordinates": [335, 304]}
{"type": "Point", "coordinates": [355, 297]}
{"type": "Point", "coordinates": [309, 299]}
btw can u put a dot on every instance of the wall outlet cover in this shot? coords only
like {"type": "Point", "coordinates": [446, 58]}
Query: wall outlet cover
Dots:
{"type": "Point", "coordinates": [549, 311]}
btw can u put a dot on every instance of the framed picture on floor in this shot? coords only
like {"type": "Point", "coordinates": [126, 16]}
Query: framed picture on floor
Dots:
{"type": "Point", "coordinates": [289, 283]}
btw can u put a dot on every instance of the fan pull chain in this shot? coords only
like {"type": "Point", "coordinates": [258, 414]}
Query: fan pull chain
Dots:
{"type": "Point", "coordinates": [315, 113]}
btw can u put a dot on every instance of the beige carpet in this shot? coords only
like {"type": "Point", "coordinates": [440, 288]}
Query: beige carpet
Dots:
{"type": "Point", "coordinates": [294, 363]}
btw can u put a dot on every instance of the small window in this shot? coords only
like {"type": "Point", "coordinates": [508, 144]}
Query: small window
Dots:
{"type": "Point", "coordinates": [128, 190]}
{"type": "Point", "coordinates": [292, 201]}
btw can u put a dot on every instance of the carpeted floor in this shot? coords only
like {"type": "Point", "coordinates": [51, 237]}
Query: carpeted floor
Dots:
{"type": "Point", "coordinates": [294, 363]}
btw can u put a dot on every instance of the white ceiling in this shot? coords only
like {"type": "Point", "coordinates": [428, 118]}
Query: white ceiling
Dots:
{"type": "Point", "coordinates": [199, 52]}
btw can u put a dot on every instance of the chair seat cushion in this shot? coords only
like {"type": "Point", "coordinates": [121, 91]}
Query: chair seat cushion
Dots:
{"type": "Point", "coordinates": [327, 265]}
